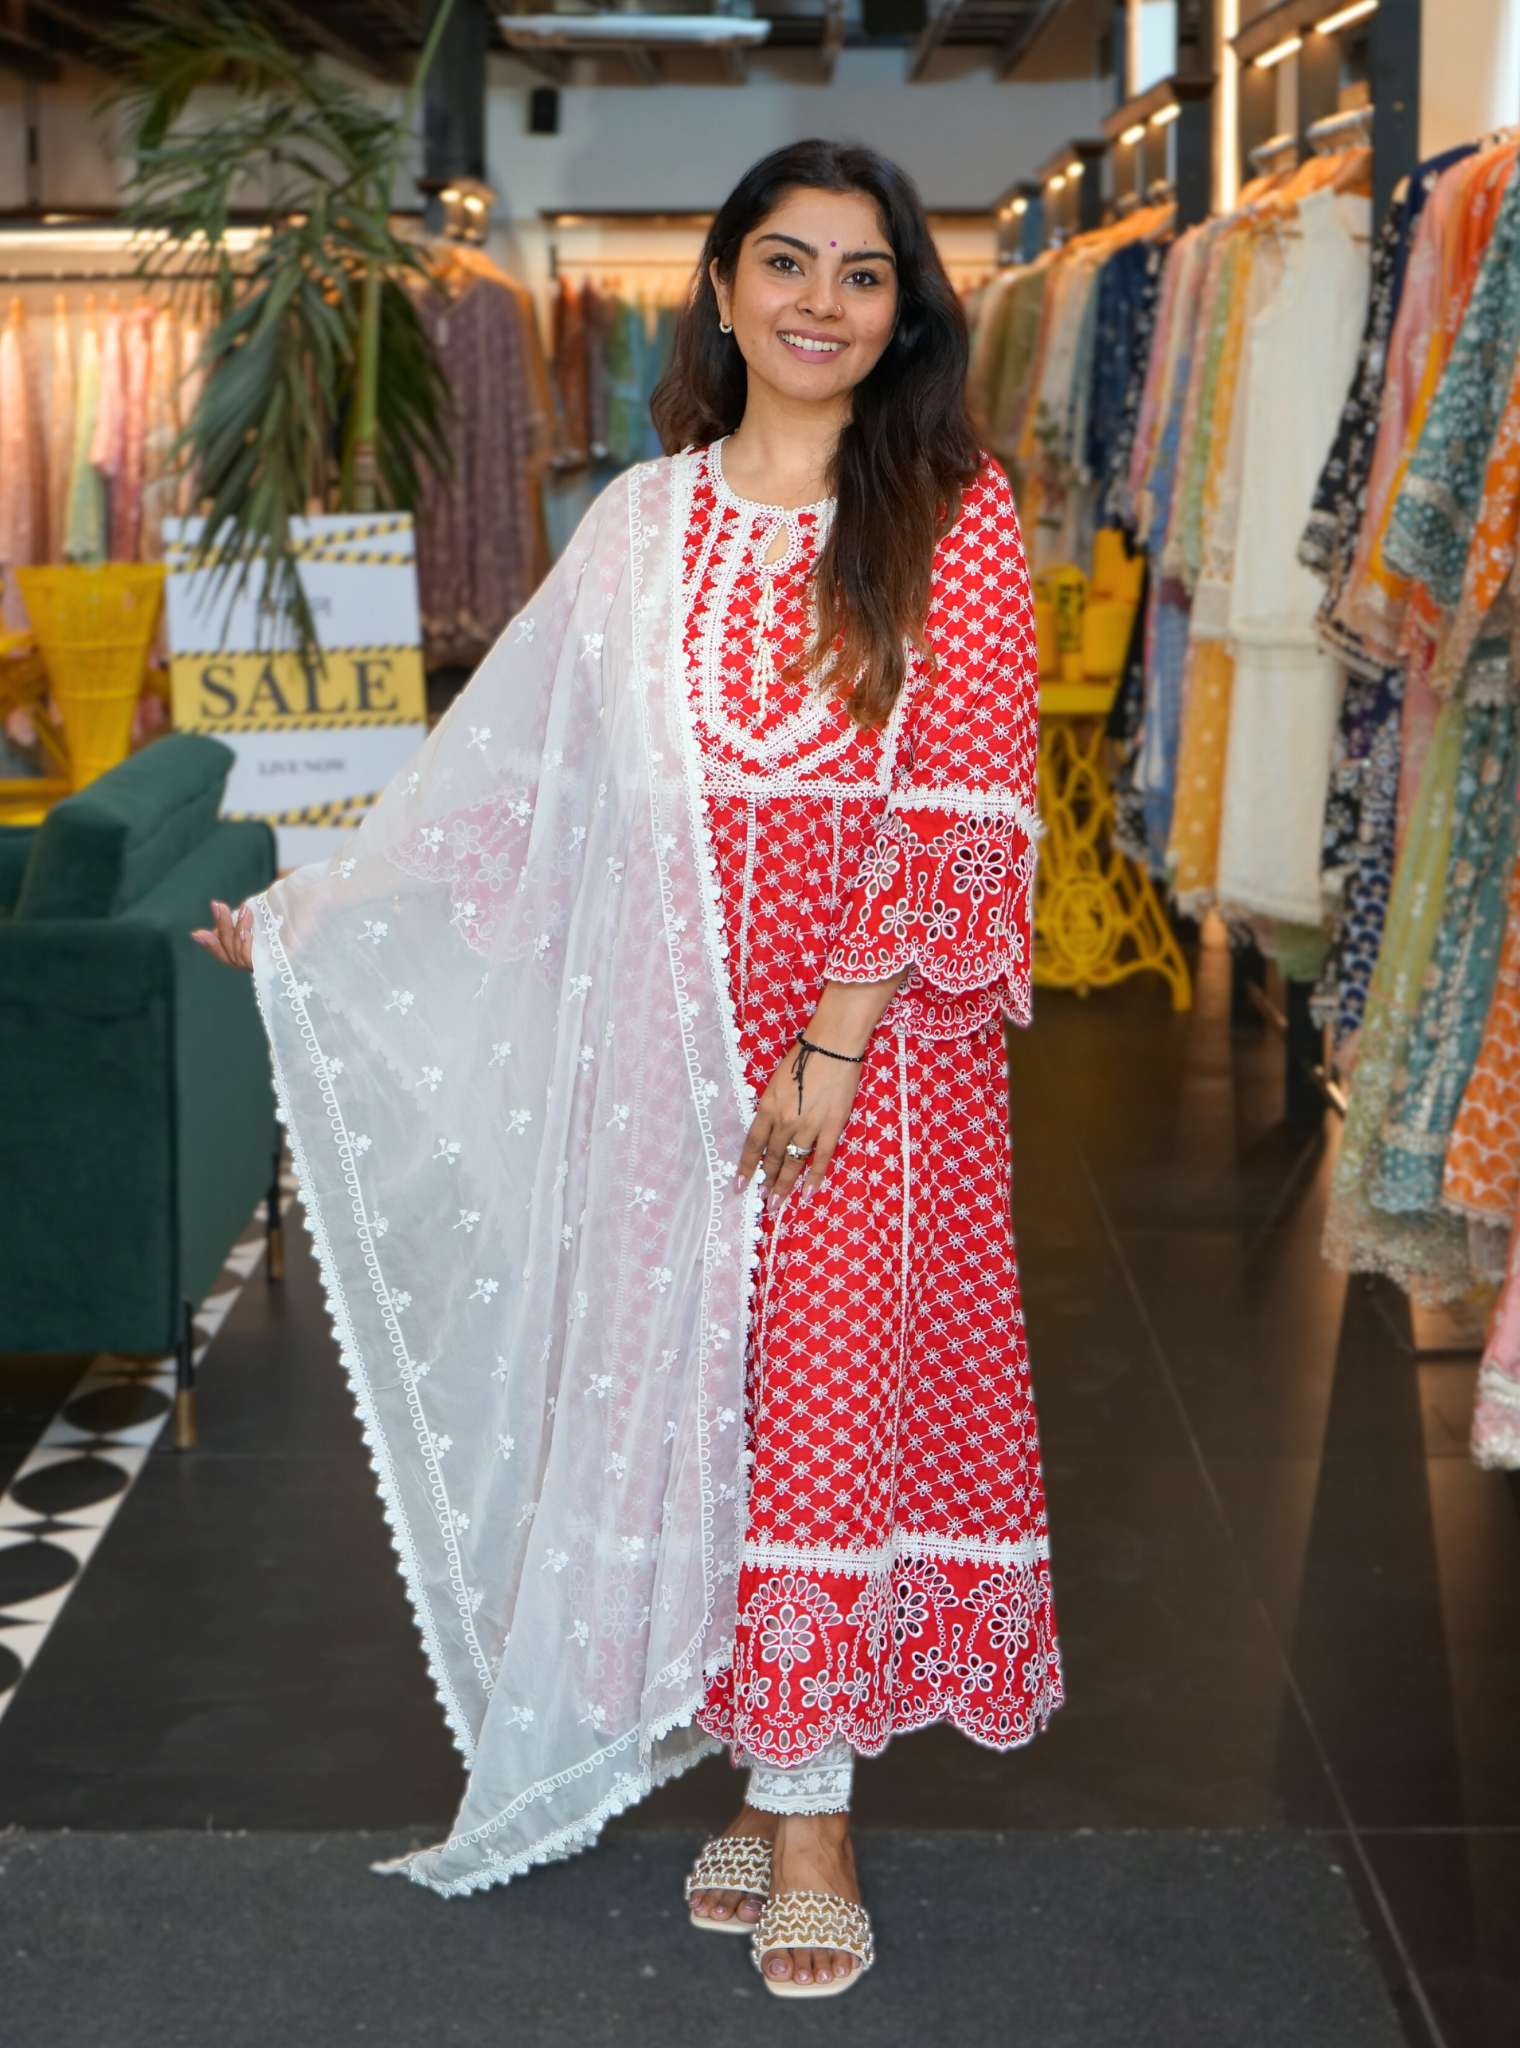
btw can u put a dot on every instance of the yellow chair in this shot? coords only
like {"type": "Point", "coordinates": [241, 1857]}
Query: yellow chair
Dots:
{"type": "Point", "coordinates": [1097, 917]}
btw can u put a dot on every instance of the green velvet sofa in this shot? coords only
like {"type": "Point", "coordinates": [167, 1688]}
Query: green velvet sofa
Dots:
{"type": "Point", "coordinates": [138, 1118]}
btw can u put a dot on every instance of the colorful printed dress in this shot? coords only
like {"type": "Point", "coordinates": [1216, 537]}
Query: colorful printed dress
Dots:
{"type": "Point", "coordinates": [895, 1570]}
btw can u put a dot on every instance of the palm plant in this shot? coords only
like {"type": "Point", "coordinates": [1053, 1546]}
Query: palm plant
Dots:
{"type": "Point", "coordinates": [315, 347]}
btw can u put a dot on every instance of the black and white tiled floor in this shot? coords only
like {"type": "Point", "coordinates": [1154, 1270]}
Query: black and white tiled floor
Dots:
{"type": "Point", "coordinates": [68, 1490]}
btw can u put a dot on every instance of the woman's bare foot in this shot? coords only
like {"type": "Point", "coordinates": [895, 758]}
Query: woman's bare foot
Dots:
{"type": "Point", "coordinates": [813, 1854]}
{"type": "Point", "coordinates": [724, 1905]}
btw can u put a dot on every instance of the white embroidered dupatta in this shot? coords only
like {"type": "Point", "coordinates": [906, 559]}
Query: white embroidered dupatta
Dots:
{"type": "Point", "coordinates": [505, 1054]}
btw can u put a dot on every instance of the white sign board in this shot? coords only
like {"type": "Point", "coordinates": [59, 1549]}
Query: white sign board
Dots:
{"type": "Point", "coordinates": [315, 744]}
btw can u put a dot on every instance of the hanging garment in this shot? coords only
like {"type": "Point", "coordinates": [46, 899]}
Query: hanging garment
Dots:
{"type": "Point", "coordinates": [1165, 387]}
{"type": "Point", "coordinates": [23, 502]}
{"type": "Point", "coordinates": [1496, 1411]}
{"type": "Point", "coordinates": [1165, 674]}
{"type": "Point", "coordinates": [570, 369]}
{"type": "Point", "coordinates": [1458, 986]}
{"type": "Point", "coordinates": [1340, 496]}
{"type": "Point", "coordinates": [1418, 329]}
{"type": "Point", "coordinates": [1182, 550]}
{"type": "Point", "coordinates": [108, 442]}
{"type": "Point", "coordinates": [192, 381]}
{"type": "Point", "coordinates": [1481, 1178]}
{"type": "Point", "coordinates": [127, 482]}
{"type": "Point", "coordinates": [1435, 511]}
{"type": "Point", "coordinates": [533, 1252]}
{"type": "Point", "coordinates": [1020, 328]}
{"type": "Point", "coordinates": [160, 434]}
{"type": "Point", "coordinates": [477, 526]}
{"type": "Point", "coordinates": [1301, 351]}
{"type": "Point", "coordinates": [990, 340]}
{"type": "Point", "coordinates": [1356, 864]}
{"type": "Point", "coordinates": [1192, 851]}
{"type": "Point", "coordinates": [1426, 1254]}
{"type": "Point", "coordinates": [658, 350]}
{"type": "Point", "coordinates": [1128, 286]}
{"type": "Point", "coordinates": [1461, 214]}
{"type": "Point", "coordinates": [1203, 740]}
{"type": "Point", "coordinates": [60, 430]}
{"type": "Point", "coordinates": [84, 538]}
{"type": "Point", "coordinates": [596, 315]}
{"type": "Point", "coordinates": [626, 420]}
{"type": "Point", "coordinates": [1343, 496]}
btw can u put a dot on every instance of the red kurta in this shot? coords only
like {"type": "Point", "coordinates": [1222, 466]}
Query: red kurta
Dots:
{"type": "Point", "coordinates": [896, 1566]}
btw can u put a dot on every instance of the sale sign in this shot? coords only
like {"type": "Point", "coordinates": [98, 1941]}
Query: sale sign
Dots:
{"type": "Point", "coordinates": [316, 742]}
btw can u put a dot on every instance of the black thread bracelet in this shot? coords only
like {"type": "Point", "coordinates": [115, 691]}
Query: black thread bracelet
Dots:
{"type": "Point", "coordinates": [805, 1050]}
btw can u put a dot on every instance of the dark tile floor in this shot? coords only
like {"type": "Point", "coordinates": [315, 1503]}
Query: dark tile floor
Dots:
{"type": "Point", "coordinates": [1288, 1600]}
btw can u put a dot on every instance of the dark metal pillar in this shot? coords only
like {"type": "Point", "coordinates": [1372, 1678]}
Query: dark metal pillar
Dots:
{"type": "Point", "coordinates": [1089, 207]}
{"type": "Point", "coordinates": [1395, 97]}
{"type": "Point", "coordinates": [1194, 160]}
{"type": "Point", "coordinates": [1319, 80]}
{"type": "Point", "coordinates": [1033, 240]}
{"type": "Point", "coordinates": [454, 101]}
{"type": "Point", "coordinates": [1193, 140]}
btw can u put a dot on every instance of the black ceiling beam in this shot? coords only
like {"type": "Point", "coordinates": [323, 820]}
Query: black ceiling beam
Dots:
{"type": "Point", "coordinates": [32, 60]}
{"type": "Point", "coordinates": [1023, 38]}
{"type": "Point", "coordinates": [311, 30]}
{"type": "Point", "coordinates": [96, 33]}
{"type": "Point", "coordinates": [405, 20]}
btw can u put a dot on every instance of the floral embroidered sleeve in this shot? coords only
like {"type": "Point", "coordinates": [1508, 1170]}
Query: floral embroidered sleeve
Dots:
{"type": "Point", "coordinates": [946, 887]}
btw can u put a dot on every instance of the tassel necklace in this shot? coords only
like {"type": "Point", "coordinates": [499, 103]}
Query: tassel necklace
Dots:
{"type": "Point", "coordinates": [763, 667]}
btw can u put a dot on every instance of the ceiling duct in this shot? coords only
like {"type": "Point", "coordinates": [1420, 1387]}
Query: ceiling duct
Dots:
{"type": "Point", "coordinates": [622, 31]}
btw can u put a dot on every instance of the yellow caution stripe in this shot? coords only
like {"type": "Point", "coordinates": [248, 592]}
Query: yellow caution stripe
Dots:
{"type": "Point", "coordinates": [181, 554]}
{"type": "Point", "coordinates": [344, 811]}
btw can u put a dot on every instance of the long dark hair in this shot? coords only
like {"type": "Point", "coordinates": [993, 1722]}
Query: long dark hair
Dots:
{"type": "Point", "coordinates": [909, 450]}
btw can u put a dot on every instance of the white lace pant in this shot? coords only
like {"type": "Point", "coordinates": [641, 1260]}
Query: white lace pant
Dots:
{"type": "Point", "coordinates": [821, 1785]}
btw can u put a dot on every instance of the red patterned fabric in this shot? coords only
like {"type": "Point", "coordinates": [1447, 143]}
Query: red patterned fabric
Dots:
{"type": "Point", "coordinates": [896, 1566]}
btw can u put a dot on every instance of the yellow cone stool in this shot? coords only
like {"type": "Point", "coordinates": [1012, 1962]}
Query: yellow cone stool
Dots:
{"type": "Point", "coordinates": [94, 627]}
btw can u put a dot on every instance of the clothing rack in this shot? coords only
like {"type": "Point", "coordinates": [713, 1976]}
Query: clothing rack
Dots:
{"type": "Point", "coordinates": [1273, 150]}
{"type": "Point", "coordinates": [1340, 131]}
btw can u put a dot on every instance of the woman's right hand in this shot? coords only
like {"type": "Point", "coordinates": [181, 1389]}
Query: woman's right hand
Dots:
{"type": "Point", "coordinates": [231, 941]}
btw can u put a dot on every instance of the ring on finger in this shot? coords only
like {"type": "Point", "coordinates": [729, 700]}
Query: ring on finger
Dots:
{"type": "Point", "coordinates": [798, 1151]}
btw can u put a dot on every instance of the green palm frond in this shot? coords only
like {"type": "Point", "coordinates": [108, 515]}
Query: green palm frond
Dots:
{"type": "Point", "coordinates": [219, 112]}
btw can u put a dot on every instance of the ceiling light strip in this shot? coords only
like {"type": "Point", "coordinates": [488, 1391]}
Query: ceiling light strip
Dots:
{"type": "Point", "coordinates": [1288, 47]}
{"type": "Point", "coordinates": [1344, 16]}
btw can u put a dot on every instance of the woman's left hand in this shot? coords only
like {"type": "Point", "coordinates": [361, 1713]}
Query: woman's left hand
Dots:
{"type": "Point", "coordinates": [790, 1138]}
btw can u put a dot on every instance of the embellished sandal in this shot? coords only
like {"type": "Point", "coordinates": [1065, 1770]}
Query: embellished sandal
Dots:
{"type": "Point", "coordinates": [813, 1920]}
{"type": "Point", "coordinates": [730, 1863]}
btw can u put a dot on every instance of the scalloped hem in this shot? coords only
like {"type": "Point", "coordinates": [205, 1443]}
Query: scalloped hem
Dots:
{"type": "Point", "coordinates": [926, 1714]}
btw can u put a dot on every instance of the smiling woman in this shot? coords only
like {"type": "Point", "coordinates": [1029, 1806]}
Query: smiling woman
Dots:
{"type": "Point", "coordinates": [644, 1071]}
{"type": "Point", "coordinates": [824, 321]}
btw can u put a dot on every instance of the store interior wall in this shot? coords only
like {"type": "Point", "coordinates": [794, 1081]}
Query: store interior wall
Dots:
{"type": "Point", "coordinates": [965, 137]}
{"type": "Point", "coordinates": [963, 140]}
{"type": "Point", "coordinates": [1469, 70]}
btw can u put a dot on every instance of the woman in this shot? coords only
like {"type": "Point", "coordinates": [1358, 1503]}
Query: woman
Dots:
{"type": "Point", "coordinates": [644, 1076]}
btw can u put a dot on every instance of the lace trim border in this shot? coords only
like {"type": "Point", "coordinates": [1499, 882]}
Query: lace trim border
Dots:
{"type": "Point", "coordinates": [970, 803]}
{"type": "Point", "coordinates": [762, 1556]}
